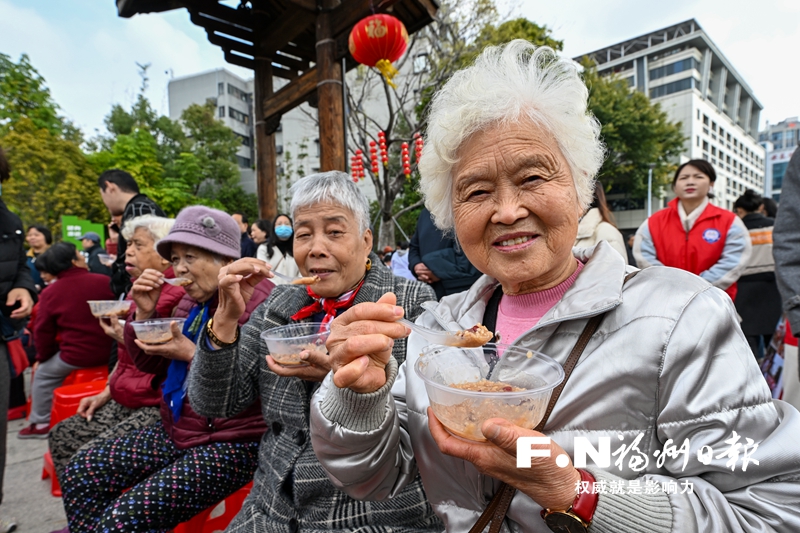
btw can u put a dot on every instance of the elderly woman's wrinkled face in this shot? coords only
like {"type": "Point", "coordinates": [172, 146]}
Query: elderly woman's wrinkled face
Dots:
{"type": "Point", "coordinates": [329, 244]}
{"type": "Point", "coordinates": [141, 254]}
{"type": "Point", "coordinates": [515, 207]}
{"type": "Point", "coordinates": [200, 266]}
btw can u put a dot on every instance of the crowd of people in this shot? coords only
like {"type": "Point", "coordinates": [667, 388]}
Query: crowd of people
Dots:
{"type": "Point", "coordinates": [659, 340]}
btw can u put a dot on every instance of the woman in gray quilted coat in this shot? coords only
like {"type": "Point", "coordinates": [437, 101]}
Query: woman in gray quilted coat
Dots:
{"type": "Point", "coordinates": [291, 491]}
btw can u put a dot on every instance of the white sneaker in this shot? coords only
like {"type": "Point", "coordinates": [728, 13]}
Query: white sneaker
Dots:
{"type": "Point", "coordinates": [7, 525]}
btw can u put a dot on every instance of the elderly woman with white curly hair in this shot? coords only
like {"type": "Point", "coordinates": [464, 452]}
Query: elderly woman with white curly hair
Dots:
{"type": "Point", "coordinates": [664, 376]}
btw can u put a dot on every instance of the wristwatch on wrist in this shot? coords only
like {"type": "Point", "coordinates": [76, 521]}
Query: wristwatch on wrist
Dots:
{"type": "Point", "coordinates": [578, 517]}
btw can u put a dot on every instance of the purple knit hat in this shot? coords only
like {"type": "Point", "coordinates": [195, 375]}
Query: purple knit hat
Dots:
{"type": "Point", "coordinates": [206, 228]}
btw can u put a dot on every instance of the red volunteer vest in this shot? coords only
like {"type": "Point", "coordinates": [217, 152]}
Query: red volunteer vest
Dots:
{"type": "Point", "coordinates": [695, 251]}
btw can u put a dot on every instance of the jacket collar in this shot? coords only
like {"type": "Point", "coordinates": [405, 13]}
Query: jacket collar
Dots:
{"type": "Point", "coordinates": [598, 288]}
{"type": "Point", "coordinates": [589, 223]}
{"type": "Point", "coordinates": [72, 271]}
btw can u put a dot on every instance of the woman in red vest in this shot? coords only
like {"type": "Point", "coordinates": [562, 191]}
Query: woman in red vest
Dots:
{"type": "Point", "coordinates": [691, 234]}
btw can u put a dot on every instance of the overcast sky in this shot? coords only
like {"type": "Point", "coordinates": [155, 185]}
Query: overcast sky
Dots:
{"type": "Point", "coordinates": [88, 54]}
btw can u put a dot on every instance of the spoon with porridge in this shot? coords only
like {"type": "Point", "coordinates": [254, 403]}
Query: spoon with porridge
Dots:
{"type": "Point", "coordinates": [304, 280]}
{"type": "Point", "coordinates": [474, 337]}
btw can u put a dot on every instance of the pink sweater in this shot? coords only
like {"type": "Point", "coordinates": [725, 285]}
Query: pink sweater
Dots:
{"type": "Point", "coordinates": [517, 314]}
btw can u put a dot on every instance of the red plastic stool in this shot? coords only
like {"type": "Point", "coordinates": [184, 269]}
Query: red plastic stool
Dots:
{"type": "Point", "coordinates": [49, 471]}
{"type": "Point", "coordinates": [15, 413]}
{"type": "Point", "coordinates": [66, 399]}
{"type": "Point", "coordinates": [217, 517]}
{"type": "Point", "coordinates": [85, 375]}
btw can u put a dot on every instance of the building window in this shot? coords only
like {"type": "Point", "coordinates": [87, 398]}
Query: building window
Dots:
{"type": "Point", "coordinates": [705, 120]}
{"type": "Point", "coordinates": [244, 138]}
{"type": "Point", "coordinates": [316, 143]}
{"type": "Point", "coordinates": [244, 162]}
{"type": "Point", "coordinates": [778, 171]}
{"type": "Point", "coordinates": [698, 140]}
{"type": "Point", "coordinates": [238, 93]}
{"type": "Point", "coordinates": [629, 81]}
{"type": "Point", "coordinates": [222, 111]}
{"type": "Point", "coordinates": [220, 88]}
{"type": "Point", "coordinates": [705, 146]}
{"type": "Point", "coordinates": [420, 63]}
{"type": "Point", "coordinates": [238, 115]}
{"type": "Point", "coordinates": [673, 68]}
{"type": "Point", "coordinates": [698, 114]}
{"type": "Point", "coordinates": [673, 87]}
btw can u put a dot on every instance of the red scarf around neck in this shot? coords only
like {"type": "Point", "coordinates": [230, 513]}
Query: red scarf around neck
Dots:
{"type": "Point", "coordinates": [328, 305]}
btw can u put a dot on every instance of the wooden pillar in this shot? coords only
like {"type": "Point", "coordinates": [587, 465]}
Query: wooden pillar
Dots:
{"type": "Point", "coordinates": [266, 156]}
{"type": "Point", "coordinates": [329, 93]}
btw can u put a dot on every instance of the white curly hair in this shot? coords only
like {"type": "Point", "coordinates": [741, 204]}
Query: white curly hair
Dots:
{"type": "Point", "coordinates": [517, 82]}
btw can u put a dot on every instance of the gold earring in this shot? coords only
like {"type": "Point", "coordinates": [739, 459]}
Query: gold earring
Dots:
{"type": "Point", "coordinates": [369, 264]}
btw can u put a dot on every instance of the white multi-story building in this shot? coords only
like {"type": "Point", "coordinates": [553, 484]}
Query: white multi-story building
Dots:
{"type": "Point", "coordinates": [296, 140]}
{"type": "Point", "coordinates": [780, 141]}
{"type": "Point", "coordinates": [682, 69]}
{"type": "Point", "coordinates": [233, 97]}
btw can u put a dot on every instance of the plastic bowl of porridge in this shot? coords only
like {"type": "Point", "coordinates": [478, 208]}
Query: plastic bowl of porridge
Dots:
{"type": "Point", "coordinates": [109, 308]}
{"type": "Point", "coordinates": [463, 393]}
{"type": "Point", "coordinates": [155, 330]}
{"type": "Point", "coordinates": [286, 344]}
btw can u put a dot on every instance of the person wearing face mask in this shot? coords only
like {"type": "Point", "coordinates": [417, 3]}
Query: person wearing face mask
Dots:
{"type": "Point", "coordinates": [278, 251]}
{"type": "Point", "coordinates": [694, 235]}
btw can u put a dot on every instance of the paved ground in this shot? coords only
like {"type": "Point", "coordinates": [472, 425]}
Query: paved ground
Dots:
{"type": "Point", "coordinates": [26, 496]}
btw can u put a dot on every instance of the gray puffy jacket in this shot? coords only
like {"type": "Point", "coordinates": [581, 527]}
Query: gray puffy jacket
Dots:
{"type": "Point", "coordinates": [668, 362]}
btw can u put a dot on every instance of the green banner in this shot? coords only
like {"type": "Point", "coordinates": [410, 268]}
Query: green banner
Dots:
{"type": "Point", "coordinates": [73, 227]}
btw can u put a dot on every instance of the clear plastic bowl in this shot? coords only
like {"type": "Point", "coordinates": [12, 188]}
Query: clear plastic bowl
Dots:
{"type": "Point", "coordinates": [109, 308]}
{"type": "Point", "coordinates": [107, 259]}
{"type": "Point", "coordinates": [155, 330]}
{"type": "Point", "coordinates": [525, 379]}
{"type": "Point", "coordinates": [285, 343]}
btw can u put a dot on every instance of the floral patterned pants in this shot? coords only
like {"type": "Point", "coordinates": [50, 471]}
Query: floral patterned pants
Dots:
{"type": "Point", "coordinates": [167, 485]}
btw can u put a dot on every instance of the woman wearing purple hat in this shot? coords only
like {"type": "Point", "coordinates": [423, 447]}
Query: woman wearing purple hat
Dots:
{"type": "Point", "coordinates": [187, 462]}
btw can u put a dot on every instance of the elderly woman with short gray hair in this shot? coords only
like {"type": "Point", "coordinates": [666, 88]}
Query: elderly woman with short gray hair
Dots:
{"type": "Point", "coordinates": [656, 364]}
{"type": "Point", "coordinates": [232, 367]}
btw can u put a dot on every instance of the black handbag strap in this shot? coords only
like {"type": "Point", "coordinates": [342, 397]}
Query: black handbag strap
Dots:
{"type": "Point", "coordinates": [498, 507]}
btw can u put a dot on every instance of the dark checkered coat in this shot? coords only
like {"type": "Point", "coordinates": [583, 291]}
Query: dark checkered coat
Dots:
{"type": "Point", "coordinates": [291, 490]}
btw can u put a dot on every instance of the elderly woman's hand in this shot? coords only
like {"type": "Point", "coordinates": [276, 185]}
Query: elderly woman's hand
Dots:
{"type": "Point", "coordinates": [318, 366]}
{"type": "Point", "coordinates": [360, 343]}
{"type": "Point", "coordinates": [145, 292]}
{"type": "Point", "coordinates": [179, 347]}
{"type": "Point", "coordinates": [113, 329]}
{"type": "Point", "coordinates": [237, 282]}
{"type": "Point", "coordinates": [544, 482]}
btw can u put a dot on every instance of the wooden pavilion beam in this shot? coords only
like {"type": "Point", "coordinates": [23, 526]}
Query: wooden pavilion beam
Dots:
{"type": "Point", "coordinates": [290, 96]}
{"type": "Point", "coordinates": [329, 93]}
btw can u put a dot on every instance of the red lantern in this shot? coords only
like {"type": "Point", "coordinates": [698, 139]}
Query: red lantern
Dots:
{"type": "Point", "coordinates": [377, 41]}
{"type": "Point", "coordinates": [405, 160]}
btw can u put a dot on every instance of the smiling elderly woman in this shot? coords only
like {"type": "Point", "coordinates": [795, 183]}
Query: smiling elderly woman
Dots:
{"type": "Point", "coordinates": [291, 492]}
{"type": "Point", "coordinates": [185, 462]}
{"type": "Point", "coordinates": [509, 166]}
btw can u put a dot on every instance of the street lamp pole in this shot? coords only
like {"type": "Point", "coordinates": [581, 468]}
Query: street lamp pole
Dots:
{"type": "Point", "coordinates": [650, 191]}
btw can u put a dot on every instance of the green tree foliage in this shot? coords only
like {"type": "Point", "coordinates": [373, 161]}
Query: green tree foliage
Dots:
{"type": "Point", "coordinates": [23, 94]}
{"type": "Point", "coordinates": [177, 163]}
{"type": "Point", "coordinates": [50, 177]}
{"type": "Point", "coordinates": [636, 132]}
{"type": "Point", "coordinates": [519, 28]}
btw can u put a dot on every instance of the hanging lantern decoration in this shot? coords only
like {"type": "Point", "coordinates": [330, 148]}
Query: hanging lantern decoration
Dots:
{"type": "Point", "coordinates": [377, 41]}
{"type": "Point", "coordinates": [358, 167]}
{"type": "Point", "coordinates": [382, 145]}
{"type": "Point", "coordinates": [373, 157]}
{"type": "Point", "coordinates": [406, 161]}
{"type": "Point", "coordinates": [417, 147]}
{"type": "Point", "coordinates": [353, 168]}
